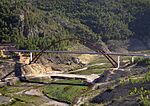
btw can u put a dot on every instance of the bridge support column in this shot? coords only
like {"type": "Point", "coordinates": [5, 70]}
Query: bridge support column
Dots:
{"type": "Point", "coordinates": [132, 59]}
{"type": "Point", "coordinates": [31, 56]}
{"type": "Point", "coordinates": [118, 62]}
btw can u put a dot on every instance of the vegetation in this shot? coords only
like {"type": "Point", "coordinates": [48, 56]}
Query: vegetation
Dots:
{"type": "Point", "coordinates": [142, 61]}
{"type": "Point", "coordinates": [89, 72]}
{"type": "Point", "coordinates": [25, 100]}
{"type": "Point", "coordinates": [144, 95]}
{"type": "Point", "coordinates": [16, 93]}
{"type": "Point", "coordinates": [65, 90]}
{"type": "Point", "coordinates": [9, 90]}
{"type": "Point", "coordinates": [1, 62]}
{"type": "Point", "coordinates": [96, 69]}
{"type": "Point", "coordinates": [29, 27]}
{"type": "Point", "coordinates": [35, 24]}
{"type": "Point", "coordinates": [143, 92]}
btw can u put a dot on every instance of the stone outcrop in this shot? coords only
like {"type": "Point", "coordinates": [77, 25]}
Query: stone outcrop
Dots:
{"type": "Point", "coordinates": [5, 100]}
{"type": "Point", "coordinates": [7, 67]}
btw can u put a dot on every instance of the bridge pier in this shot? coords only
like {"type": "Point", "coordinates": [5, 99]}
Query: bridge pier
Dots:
{"type": "Point", "coordinates": [118, 62]}
{"type": "Point", "coordinates": [31, 56]}
{"type": "Point", "coordinates": [132, 59]}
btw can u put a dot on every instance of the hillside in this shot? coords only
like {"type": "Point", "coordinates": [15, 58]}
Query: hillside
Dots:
{"type": "Point", "coordinates": [75, 79]}
{"type": "Point", "coordinates": [33, 24]}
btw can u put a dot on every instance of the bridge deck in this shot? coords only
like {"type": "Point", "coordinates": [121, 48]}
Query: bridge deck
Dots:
{"type": "Point", "coordinates": [71, 52]}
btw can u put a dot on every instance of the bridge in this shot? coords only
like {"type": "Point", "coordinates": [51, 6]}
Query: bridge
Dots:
{"type": "Point", "coordinates": [98, 50]}
{"type": "Point", "coordinates": [88, 78]}
{"type": "Point", "coordinates": [133, 55]}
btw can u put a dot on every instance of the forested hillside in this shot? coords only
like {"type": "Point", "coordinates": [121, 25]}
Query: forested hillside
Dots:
{"type": "Point", "coordinates": [33, 24]}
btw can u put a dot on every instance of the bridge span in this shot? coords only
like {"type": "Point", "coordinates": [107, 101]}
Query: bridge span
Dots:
{"type": "Point", "coordinates": [72, 52]}
{"type": "Point", "coordinates": [133, 55]}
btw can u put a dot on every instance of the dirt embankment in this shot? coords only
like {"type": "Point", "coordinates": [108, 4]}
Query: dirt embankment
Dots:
{"type": "Point", "coordinates": [35, 69]}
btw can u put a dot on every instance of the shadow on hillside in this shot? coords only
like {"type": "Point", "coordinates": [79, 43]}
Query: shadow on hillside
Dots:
{"type": "Point", "coordinates": [141, 28]}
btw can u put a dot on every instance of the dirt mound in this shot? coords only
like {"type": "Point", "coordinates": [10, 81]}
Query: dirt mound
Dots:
{"type": "Point", "coordinates": [34, 69]}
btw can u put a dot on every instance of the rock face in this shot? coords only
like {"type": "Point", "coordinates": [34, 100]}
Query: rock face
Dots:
{"type": "Point", "coordinates": [4, 100]}
{"type": "Point", "coordinates": [2, 84]}
{"type": "Point", "coordinates": [6, 67]}
{"type": "Point", "coordinates": [34, 69]}
{"type": "Point", "coordinates": [122, 73]}
{"type": "Point", "coordinates": [34, 92]}
{"type": "Point", "coordinates": [11, 81]}
{"type": "Point", "coordinates": [120, 95]}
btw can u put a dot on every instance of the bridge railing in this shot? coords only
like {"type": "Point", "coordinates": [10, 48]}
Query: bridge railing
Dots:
{"type": "Point", "coordinates": [70, 52]}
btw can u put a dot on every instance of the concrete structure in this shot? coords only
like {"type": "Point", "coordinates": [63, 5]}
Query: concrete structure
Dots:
{"type": "Point", "coordinates": [118, 62]}
{"type": "Point", "coordinates": [88, 78]}
{"type": "Point", "coordinates": [31, 56]}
